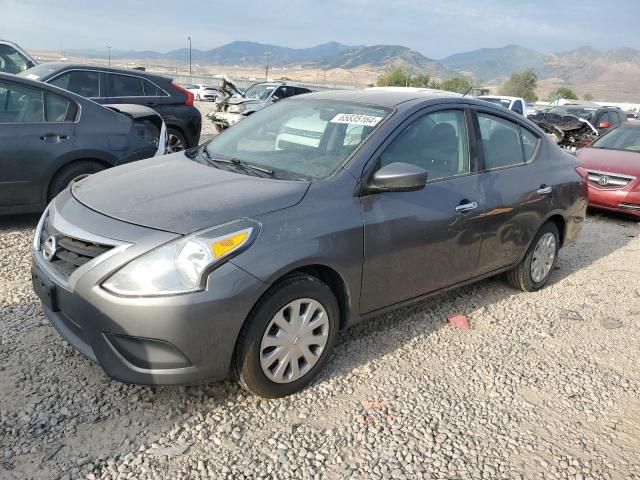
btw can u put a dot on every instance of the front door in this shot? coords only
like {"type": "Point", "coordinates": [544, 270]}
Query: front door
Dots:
{"type": "Point", "coordinates": [420, 242]}
{"type": "Point", "coordinates": [36, 128]}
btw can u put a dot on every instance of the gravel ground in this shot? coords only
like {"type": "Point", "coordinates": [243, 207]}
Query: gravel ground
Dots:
{"type": "Point", "coordinates": [207, 126]}
{"type": "Point", "coordinates": [543, 385]}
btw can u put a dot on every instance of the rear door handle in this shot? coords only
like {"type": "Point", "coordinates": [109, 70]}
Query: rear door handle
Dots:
{"type": "Point", "coordinates": [544, 190]}
{"type": "Point", "coordinates": [466, 207]}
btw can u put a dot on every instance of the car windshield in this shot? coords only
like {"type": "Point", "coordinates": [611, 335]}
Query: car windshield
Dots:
{"type": "Point", "coordinates": [298, 139]}
{"type": "Point", "coordinates": [38, 72]}
{"type": "Point", "coordinates": [260, 91]}
{"type": "Point", "coordinates": [503, 102]}
{"type": "Point", "coordinates": [584, 113]}
{"type": "Point", "coordinates": [12, 61]}
{"type": "Point", "coordinates": [625, 137]}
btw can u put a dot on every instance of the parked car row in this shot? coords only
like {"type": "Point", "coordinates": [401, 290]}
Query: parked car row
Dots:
{"type": "Point", "coordinates": [115, 86]}
{"type": "Point", "coordinates": [50, 137]}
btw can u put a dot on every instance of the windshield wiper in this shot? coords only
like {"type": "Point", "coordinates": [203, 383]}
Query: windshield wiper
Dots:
{"type": "Point", "coordinates": [248, 167]}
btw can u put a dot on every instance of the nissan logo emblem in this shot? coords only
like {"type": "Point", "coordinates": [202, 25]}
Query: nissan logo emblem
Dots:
{"type": "Point", "coordinates": [49, 248]}
{"type": "Point", "coordinates": [603, 181]}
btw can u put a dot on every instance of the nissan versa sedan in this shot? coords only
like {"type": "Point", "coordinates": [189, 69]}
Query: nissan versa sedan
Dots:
{"type": "Point", "coordinates": [613, 166]}
{"type": "Point", "coordinates": [244, 257]}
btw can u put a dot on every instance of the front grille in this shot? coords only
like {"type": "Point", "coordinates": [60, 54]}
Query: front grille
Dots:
{"type": "Point", "coordinates": [606, 180]}
{"type": "Point", "coordinates": [70, 253]}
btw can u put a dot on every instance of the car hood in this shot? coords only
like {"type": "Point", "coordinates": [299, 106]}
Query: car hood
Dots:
{"type": "Point", "coordinates": [613, 161]}
{"type": "Point", "coordinates": [176, 194]}
{"type": "Point", "coordinates": [242, 100]}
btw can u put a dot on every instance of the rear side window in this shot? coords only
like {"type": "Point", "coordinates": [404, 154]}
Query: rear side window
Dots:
{"type": "Point", "coordinates": [517, 107]}
{"type": "Point", "coordinates": [82, 82]}
{"type": "Point", "coordinates": [604, 118]}
{"type": "Point", "coordinates": [124, 86]}
{"type": "Point", "coordinates": [20, 104]}
{"type": "Point", "coordinates": [500, 141]}
{"type": "Point", "coordinates": [152, 90]}
{"type": "Point", "coordinates": [529, 143]}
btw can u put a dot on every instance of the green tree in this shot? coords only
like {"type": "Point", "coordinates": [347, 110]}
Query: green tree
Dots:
{"type": "Point", "coordinates": [395, 78]}
{"type": "Point", "coordinates": [562, 92]}
{"type": "Point", "coordinates": [521, 84]}
{"type": "Point", "coordinates": [456, 84]}
{"type": "Point", "coordinates": [398, 77]}
{"type": "Point", "coordinates": [588, 97]}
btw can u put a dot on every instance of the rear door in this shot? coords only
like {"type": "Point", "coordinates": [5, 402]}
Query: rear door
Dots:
{"type": "Point", "coordinates": [86, 83]}
{"type": "Point", "coordinates": [518, 186]}
{"type": "Point", "coordinates": [420, 242]}
{"type": "Point", "coordinates": [37, 128]}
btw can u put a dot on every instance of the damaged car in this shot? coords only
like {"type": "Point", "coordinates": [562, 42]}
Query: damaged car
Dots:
{"type": "Point", "coordinates": [237, 105]}
{"type": "Point", "coordinates": [574, 126]}
{"type": "Point", "coordinates": [50, 137]}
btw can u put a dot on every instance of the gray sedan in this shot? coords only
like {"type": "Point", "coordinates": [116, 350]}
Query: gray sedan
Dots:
{"type": "Point", "coordinates": [247, 255]}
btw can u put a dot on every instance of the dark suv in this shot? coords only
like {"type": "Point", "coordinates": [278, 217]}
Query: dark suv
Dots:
{"type": "Point", "coordinates": [113, 85]}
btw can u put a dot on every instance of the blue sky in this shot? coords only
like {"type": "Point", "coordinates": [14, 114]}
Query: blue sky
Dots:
{"type": "Point", "coordinates": [436, 28]}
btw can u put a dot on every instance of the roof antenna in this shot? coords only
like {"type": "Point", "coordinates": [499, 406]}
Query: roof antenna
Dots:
{"type": "Point", "coordinates": [467, 92]}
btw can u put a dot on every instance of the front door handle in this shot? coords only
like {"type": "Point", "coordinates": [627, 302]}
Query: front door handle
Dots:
{"type": "Point", "coordinates": [466, 207]}
{"type": "Point", "coordinates": [544, 190]}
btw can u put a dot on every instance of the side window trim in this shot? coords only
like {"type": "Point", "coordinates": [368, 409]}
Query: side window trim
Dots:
{"type": "Point", "coordinates": [373, 163]}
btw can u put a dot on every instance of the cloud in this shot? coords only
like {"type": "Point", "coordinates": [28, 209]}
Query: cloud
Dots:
{"type": "Point", "coordinates": [436, 28]}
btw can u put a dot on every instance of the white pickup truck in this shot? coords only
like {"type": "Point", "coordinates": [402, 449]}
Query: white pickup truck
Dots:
{"type": "Point", "coordinates": [516, 104]}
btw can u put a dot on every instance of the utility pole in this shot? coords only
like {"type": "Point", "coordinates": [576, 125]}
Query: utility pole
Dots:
{"type": "Point", "coordinates": [266, 56]}
{"type": "Point", "coordinates": [109, 50]}
{"type": "Point", "coordinates": [189, 58]}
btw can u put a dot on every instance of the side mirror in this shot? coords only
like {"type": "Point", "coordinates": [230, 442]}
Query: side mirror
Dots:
{"type": "Point", "coordinates": [604, 124]}
{"type": "Point", "coordinates": [397, 177]}
{"type": "Point", "coordinates": [30, 64]}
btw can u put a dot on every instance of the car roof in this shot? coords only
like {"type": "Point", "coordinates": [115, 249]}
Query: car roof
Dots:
{"type": "Point", "coordinates": [383, 97]}
{"type": "Point", "coordinates": [502, 97]}
{"type": "Point", "coordinates": [60, 66]}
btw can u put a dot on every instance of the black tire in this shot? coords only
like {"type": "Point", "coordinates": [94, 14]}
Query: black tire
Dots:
{"type": "Point", "coordinates": [176, 142]}
{"type": "Point", "coordinates": [247, 366]}
{"type": "Point", "coordinates": [521, 276]}
{"type": "Point", "coordinates": [72, 172]}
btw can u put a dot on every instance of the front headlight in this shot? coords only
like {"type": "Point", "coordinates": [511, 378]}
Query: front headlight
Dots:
{"type": "Point", "coordinates": [181, 266]}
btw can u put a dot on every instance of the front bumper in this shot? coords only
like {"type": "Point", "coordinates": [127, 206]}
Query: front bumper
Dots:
{"type": "Point", "coordinates": [181, 339]}
{"type": "Point", "coordinates": [623, 201]}
{"type": "Point", "coordinates": [225, 119]}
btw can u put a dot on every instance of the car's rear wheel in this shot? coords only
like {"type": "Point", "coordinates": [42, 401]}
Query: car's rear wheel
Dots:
{"type": "Point", "coordinates": [175, 141]}
{"type": "Point", "coordinates": [288, 337]}
{"type": "Point", "coordinates": [71, 173]}
{"type": "Point", "coordinates": [533, 272]}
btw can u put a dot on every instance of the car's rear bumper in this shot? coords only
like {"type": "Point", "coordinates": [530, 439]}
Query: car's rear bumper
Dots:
{"type": "Point", "coordinates": [623, 201]}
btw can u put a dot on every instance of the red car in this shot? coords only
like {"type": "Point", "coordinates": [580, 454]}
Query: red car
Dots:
{"type": "Point", "coordinates": [613, 165]}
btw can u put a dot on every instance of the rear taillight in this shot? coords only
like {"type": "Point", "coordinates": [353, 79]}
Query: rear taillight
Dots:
{"type": "Point", "coordinates": [190, 98]}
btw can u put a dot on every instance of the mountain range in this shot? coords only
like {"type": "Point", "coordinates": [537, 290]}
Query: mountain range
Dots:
{"type": "Point", "coordinates": [584, 67]}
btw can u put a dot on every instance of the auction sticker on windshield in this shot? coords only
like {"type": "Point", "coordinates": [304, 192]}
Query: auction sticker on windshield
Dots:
{"type": "Point", "coordinates": [355, 119]}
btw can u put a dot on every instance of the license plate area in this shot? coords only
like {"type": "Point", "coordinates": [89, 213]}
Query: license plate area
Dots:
{"type": "Point", "coordinates": [45, 289]}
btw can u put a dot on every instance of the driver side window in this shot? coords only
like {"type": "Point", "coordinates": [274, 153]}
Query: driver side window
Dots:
{"type": "Point", "coordinates": [437, 142]}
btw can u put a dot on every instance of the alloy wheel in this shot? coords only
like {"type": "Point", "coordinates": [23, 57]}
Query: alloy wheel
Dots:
{"type": "Point", "coordinates": [543, 257]}
{"type": "Point", "coordinates": [294, 340]}
{"type": "Point", "coordinates": [174, 143]}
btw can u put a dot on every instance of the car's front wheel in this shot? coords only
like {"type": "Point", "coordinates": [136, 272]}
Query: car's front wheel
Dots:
{"type": "Point", "coordinates": [533, 272]}
{"type": "Point", "coordinates": [288, 337]}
